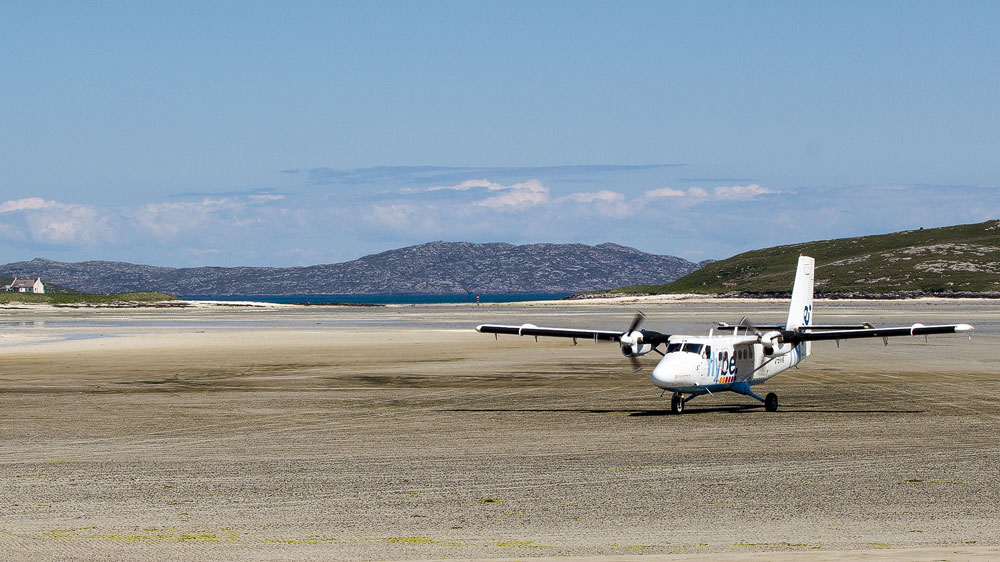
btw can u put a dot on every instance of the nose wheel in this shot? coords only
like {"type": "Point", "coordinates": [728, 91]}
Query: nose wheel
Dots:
{"type": "Point", "coordinates": [677, 403]}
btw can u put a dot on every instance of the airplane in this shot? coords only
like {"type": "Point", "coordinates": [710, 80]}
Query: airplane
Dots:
{"type": "Point", "coordinates": [731, 361]}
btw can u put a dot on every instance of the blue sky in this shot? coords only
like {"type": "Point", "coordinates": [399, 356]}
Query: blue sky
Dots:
{"type": "Point", "coordinates": [266, 133]}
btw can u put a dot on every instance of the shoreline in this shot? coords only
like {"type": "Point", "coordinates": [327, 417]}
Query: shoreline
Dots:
{"type": "Point", "coordinates": [182, 304]}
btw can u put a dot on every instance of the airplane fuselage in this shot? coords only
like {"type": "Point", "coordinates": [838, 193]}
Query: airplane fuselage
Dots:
{"type": "Point", "coordinates": [706, 364]}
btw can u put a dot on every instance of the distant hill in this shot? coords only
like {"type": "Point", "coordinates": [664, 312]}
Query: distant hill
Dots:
{"type": "Point", "coordinates": [433, 268]}
{"type": "Point", "coordinates": [955, 260]}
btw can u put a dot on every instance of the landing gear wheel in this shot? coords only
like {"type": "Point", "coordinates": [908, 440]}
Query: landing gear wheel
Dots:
{"type": "Point", "coordinates": [677, 403]}
{"type": "Point", "coordinates": [771, 402]}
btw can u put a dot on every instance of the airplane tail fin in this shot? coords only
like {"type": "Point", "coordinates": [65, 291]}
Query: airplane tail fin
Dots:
{"type": "Point", "coordinates": [800, 312]}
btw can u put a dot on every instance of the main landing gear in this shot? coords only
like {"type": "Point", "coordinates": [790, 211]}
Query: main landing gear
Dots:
{"type": "Point", "coordinates": [771, 402]}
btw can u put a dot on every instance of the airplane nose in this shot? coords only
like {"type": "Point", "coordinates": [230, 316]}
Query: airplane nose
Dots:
{"type": "Point", "coordinates": [662, 376]}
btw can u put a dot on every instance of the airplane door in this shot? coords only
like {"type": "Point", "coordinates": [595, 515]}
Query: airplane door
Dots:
{"type": "Point", "coordinates": [744, 362]}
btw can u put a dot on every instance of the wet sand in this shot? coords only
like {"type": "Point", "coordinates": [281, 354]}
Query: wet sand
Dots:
{"type": "Point", "coordinates": [399, 433]}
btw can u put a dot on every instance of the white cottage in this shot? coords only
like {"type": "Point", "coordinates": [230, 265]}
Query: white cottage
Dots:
{"type": "Point", "coordinates": [27, 286]}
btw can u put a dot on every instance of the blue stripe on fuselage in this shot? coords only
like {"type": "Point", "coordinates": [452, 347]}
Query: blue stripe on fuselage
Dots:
{"type": "Point", "coordinates": [705, 388]}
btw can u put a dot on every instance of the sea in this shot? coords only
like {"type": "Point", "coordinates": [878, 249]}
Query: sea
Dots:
{"type": "Point", "coordinates": [385, 299]}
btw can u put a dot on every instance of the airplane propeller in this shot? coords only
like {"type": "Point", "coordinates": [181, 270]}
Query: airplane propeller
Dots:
{"type": "Point", "coordinates": [746, 323]}
{"type": "Point", "coordinates": [639, 317]}
{"type": "Point", "coordinates": [632, 339]}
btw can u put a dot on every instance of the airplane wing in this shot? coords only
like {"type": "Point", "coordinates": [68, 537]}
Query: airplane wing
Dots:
{"type": "Point", "coordinates": [631, 337]}
{"type": "Point", "coordinates": [532, 330]}
{"type": "Point", "coordinates": [722, 326]}
{"type": "Point", "coordinates": [914, 330]}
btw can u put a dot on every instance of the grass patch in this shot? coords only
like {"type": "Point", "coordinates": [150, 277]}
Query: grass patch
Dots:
{"type": "Point", "coordinates": [144, 536]}
{"type": "Point", "coordinates": [408, 540]}
{"type": "Point", "coordinates": [82, 298]}
{"type": "Point", "coordinates": [307, 540]}
{"type": "Point", "coordinates": [782, 543]}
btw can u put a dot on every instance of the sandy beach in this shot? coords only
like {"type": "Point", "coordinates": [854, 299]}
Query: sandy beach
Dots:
{"type": "Point", "coordinates": [399, 433]}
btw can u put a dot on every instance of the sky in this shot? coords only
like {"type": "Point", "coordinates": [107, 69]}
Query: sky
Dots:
{"type": "Point", "coordinates": [281, 134]}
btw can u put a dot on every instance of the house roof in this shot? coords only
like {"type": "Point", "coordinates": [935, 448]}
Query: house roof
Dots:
{"type": "Point", "coordinates": [23, 283]}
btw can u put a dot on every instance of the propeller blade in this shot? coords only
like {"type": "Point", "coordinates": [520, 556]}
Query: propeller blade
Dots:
{"type": "Point", "coordinates": [639, 317]}
{"type": "Point", "coordinates": [746, 323]}
{"type": "Point", "coordinates": [636, 366]}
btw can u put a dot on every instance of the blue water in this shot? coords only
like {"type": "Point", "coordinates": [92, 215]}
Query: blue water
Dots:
{"type": "Point", "coordinates": [386, 299]}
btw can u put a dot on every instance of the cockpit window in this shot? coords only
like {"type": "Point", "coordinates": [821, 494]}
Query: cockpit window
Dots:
{"type": "Point", "coordinates": [674, 347]}
{"type": "Point", "coordinates": [693, 347]}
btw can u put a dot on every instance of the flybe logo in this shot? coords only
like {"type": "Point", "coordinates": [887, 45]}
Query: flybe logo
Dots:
{"type": "Point", "coordinates": [807, 314]}
{"type": "Point", "coordinates": [722, 369]}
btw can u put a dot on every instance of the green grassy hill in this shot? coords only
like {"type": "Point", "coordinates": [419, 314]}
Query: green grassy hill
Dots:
{"type": "Point", "coordinates": [953, 259]}
{"type": "Point", "coordinates": [54, 294]}
{"type": "Point", "coordinates": [84, 298]}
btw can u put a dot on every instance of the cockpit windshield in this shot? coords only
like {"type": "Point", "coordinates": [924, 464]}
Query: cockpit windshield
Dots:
{"type": "Point", "coordinates": [693, 347]}
{"type": "Point", "coordinates": [688, 347]}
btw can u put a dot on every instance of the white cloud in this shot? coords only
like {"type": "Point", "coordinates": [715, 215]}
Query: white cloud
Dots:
{"type": "Point", "coordinates": [53, 222]}
{"type": "Point", "coordinates": [265, 198]}
{"type": "Point", "coordinates": [30, 204]}
{"type": "Point", "coordinates": [663, 192]}
{"type": "Point", "coordinates": [742, 192]}
{"type": "Point", "coordinates": [167, 220]}
{"type": "Point", "coordinates": [604, 202]}
{"type": "Point", "coordinates": [396, 216]}
{"type": "Point", "coordinates": [518, 195]}
{"type": "Point", "coordinates": [604, 195]}
{"type": "Point", "coordinates": [70, 225]}
{"type": "Point", "coordinates": [9, 232]}
{"type": "Point", "coordinates": [464, 186]}
{"type": "Point", "coordinates": [721, 193]}
{"type": "Point", "coordinates": [467, 185]}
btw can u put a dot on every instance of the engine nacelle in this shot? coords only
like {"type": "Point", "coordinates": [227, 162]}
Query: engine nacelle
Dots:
{"type": "Point", "coordinates": [635, 350]}
{"type": "Point", "coordinates": [632, 345]}
{"type": "Point", "coordinates": [773, 346]}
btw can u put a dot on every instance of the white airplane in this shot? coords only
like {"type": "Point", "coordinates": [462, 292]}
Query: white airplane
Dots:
{"type": "Point", "coordinates": [734, 362]}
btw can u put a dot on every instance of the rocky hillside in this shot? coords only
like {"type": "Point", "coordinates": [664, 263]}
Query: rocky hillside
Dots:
{"type": "Point", "coordinates": [959, 260]}
{"type": "Point", "coordinates": [434, 268]}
